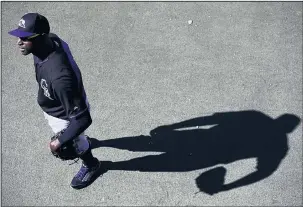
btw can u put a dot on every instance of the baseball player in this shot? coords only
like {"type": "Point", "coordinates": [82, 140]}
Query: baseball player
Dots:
{"type": "Point", "coordinates": [61, 94]}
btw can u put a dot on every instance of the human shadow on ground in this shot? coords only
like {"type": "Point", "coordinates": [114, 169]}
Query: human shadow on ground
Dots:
{"type": "Point", "coordinates": [232, 136]}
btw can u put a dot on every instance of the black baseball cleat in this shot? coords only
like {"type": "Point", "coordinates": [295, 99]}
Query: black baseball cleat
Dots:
{"type": "Point", "coordinates": [86, 176]}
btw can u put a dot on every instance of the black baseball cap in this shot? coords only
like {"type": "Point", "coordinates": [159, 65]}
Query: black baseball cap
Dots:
{"type": "Point", "coordinates": [31, 24]}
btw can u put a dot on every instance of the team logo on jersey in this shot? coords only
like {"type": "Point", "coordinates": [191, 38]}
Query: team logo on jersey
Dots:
{"type": "Point", "coordinates": [22, 23]}
{"type": "Point", "coordinates": [45, 89]}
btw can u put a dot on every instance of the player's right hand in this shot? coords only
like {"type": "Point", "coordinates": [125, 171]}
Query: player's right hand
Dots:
{"type": "Point", "coordinates": [54, 145]}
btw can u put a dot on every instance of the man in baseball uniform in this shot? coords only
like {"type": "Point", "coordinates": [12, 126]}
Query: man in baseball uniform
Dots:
{"type": "Point", "coordinates": [61, 94]}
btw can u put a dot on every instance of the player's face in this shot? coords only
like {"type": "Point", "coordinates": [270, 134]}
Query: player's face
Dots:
{"type": "Point", "coordinates": [25, 46]}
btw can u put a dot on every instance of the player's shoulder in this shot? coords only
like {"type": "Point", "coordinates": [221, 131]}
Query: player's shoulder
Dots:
{"type": "Point", "coordinates": [59, 58]}
{"type": "Point", "coordinates": [55, 39]}
{"type": "Point", "coordinates": [53, 36]}
{"type": "Point", "coordinates": [58, 61]}
{"type": "Point", "coordinates": [60, 66]}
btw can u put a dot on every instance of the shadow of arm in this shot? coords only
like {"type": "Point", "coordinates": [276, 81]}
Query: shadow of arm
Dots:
{"type": "Point", "coordinates": [264, 169]}
{"type": "Point", "coordinates": [200, 121]}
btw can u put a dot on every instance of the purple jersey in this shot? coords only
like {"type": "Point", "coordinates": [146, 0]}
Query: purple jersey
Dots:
{"type": "Point", "coordinates": [61, 93]}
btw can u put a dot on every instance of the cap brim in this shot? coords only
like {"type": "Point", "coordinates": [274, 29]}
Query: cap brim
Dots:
{"type": "Point", "coordinates": [20, 33]}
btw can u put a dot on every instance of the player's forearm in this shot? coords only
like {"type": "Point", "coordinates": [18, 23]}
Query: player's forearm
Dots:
{"type": "Point", "coordinates": [76, 127]}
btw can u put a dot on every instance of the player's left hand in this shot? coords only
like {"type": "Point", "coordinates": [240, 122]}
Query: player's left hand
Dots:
{"type": "Point", "coordinates": [54, 145]}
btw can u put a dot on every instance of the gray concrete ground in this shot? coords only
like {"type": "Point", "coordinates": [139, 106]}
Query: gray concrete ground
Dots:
{"type": "Point", "coordinates": [144, 66]}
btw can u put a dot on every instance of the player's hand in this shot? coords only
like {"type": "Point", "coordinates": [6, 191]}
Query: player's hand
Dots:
{"type": "Point", "coordinates": [54, 145]}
